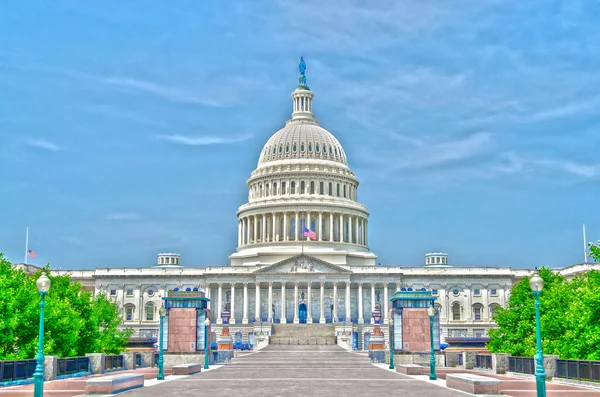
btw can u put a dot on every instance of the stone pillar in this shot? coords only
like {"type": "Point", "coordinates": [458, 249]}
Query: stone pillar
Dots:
{"type": "Point", "coordinates": [257, 311]}
{"type": "Point", "coordinates": [385, 304]}
{"type": "Point", "coordinates": [331, 226]}
{"type": "Point", "coordinates": [485, 316]}
{"type": "Point", "coordinates": [245, 312]}
{"type": "Point", "coordinates": [232, 303]}
{"type": "Point", "coordinates": [296, 319]}
{"type": "Point", "coordinates": [550, 365]}
{"type": "Point", "coordinates": [347, 302]}
{"type": "Point", "coordinates": [254, 235]}
{"type": "Point", "coordinates": [361, 319]}
{"type": "Point", "coordinates": [350, 231]}
{"type": "Point", "coordinates": [297, 227]}
{"type": "Point", "coordinates": [273, 227]}
{"type": "Point", "coordinates": [335, 308]}
{"type": "Point", "coordinates": [469, 304]}
{"type": "Point", "coordinates": [372, 302]}
{"type": "Point", "coordinates": [263, 236]}
{"type": "Point", "coordinates": [97, 363]}
{"type": "Point", "coordinates": [206, 295]}
{"type": "Point", "coordinates": [220, 304]}
{"type": "Point", "coordinates": [285, 227]}
{"type": "Point", "coordinates": [341, 226]}
{"type": "Point", "coordinates": [270, 303]}
{"type": "Point", "coordinates": [51, 367]}
{"type": "Point", "coordinates": [309, 319]}
{"type": "Point", "coordinates": [240, 232]}
{"type": "Point", "coordinates": [500, 362]}
{"type": "Point", "coordinates": [283, 314]}
{"type": "Point", "coordinates": [308, 224]}
{"type": "Point", "coordinates": [320, 233]}
{"type": "Point", "coordinates": [322, 303]}
{"type": "Point", "coordinates": [366, 232]}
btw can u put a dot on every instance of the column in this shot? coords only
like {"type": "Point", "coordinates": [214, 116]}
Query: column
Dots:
{"type": "Point", "coordinates": [239, 232]}
{"type": "Point", "coordinates": [362, 231]}
{"type": "Point", "coordinates": [308, 224]}
{"type": "Point", "coordinates": [285, 227]}
{"type": "Point", "coordinates": [232, 304]}
{"type": "Point", "coordinates": [320, 232]}
{"type": "Point", "coordinates": [341, 226]}
{"type": "Point", "coordinates": [486, 312]}
{"type": "Point", "coordinates": [270, 302]}
{"type": "Point", "coordinates": [206, 295]}
{"type": "Point", "coordinates": [443, 301]}
{"type": "Point", "coordinates": [385, 303]}
{"type": "Point", "coordinates": [348, 310]}
{"type": "Point", "coordinates": [469, 308]}
{"type": "Point", "coordinates": [263, 236]}
{"type": "Point", "coordinates": [309, 319]}
{"type": "Point", "coordinates": [366, 232]}
{"type": "Point", "coordinates": [372, 302]}
{"type": "Point", "coordinates": [350, 231]}
{"type": "Point", "coordinates": [257, 310]}
{"type": "Point", "coordinates": [357, 230]}
{"type": "Point", "coordinates": [245, 311]}
{"type": "Point", "coordinates": [331, 226]}
{"type": "Point", "coordinates": [297, 227]}
{"type": "Point", "coordinates": [361, 319]}
{"type": "Point", "coordinates": [335, 311]}
{"type": "Point", "coordinates": [322, 303]}
{"type": "Point", "coordinates": [244, 229]}
{"type": "Point", "coordinates": [283, 314]}
{"type": "Point", "coordinates": [296, 319]}
{"type": "Point", "coordinates": [397, 287]}
{"type": "Point", "coordinates": [273, 228]}
{"type": "Point", "coordinates": [254, 236]}
{"type": "Point", "coordinates": [219, 304]}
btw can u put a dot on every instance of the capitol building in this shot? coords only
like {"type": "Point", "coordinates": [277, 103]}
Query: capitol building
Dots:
{"type": "Point", "coordinates": [303, 253]}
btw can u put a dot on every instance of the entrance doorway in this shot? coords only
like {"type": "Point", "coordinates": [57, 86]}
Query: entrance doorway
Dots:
{"type": "Point", "coordinates": [302, 313]}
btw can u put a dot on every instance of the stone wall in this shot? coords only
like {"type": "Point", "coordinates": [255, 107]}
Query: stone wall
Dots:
{"type": "Point", "coordinates": [171, 359]}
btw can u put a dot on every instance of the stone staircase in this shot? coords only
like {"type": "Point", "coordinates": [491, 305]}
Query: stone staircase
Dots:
{"type": "Point", "coordinates": [303, 334]}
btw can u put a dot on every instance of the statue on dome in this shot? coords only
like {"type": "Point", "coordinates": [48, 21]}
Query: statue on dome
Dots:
{"type": "Point", "coordinates": [302, 66]}
{"type": "Point", "coordinates": [302, 78]}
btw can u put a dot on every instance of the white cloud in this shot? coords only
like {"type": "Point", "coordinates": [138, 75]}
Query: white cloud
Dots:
{"type": "Point", "coordinates": [124, 216]}
{"type": "Point", "coordinates": [44, 144]}
{"type": "Point", "coordinates": [203, 140]}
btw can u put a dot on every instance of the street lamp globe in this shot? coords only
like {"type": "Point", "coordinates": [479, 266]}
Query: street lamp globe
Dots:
{"type": "Point", "coordinates": [536, 282]}
{"type": "Point", "coordinates": [206, 322]}
{"type": "Point", "coordinates": [431, 311]}
{"type": "Point", "coordinates": [43, 284]}
{"type": "Point", "coordinates": [162, 311]}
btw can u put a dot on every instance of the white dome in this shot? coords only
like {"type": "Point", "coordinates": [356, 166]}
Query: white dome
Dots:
{"type": "Point", "coordinates": [302, 139]}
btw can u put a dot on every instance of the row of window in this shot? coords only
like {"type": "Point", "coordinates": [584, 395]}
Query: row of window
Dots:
{"type": "Point", "coordinates": [477, 311]}
{"type": "Point", "coordinates": [436, 260]}
{"type": "Point", "coordinates": [319, 149]}
{"type": "Point", "coordinates": [331, 189]}
{"type": "Point", "coordinates": [150, 311]}
{"type": "Point", "coordinates": [129, 292]}
{"type": "Point", "coordinates": [168, 260]}
{"type": "Point", "coordinates": [476, 292]}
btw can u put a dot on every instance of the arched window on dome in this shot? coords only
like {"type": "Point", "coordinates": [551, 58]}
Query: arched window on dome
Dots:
{"type": "Point", "coordinates": [302, 187]}
{"type": "Point", "coordinates": [330, 189]}
{"type": "Point", "coordinates": [280, 148]}
{"type": "Point", "coordinates": [267, 191]}
{"type": "Point", "coordinates": [344, 191]}
{"type": "Point", "coordinates": [321, 188]}
{"type": "Point", "coordinates": [310, 147]}
{"type": "Point", "coordinates": [260, 190]}
{"type": "Point", "coordinates": [294, 148]}
{"type": "Point", "coordinates": [317, 148]}
{"type": "Point", "coordinates": [287, 148]}
{"type": "Point", "coordinates": [274, 188]}
{"type": "Point", "coordinates": [338, 190]}
{"type": "Point", "coordinates": [336, 152]}
{"type": "Point", "coordinates": [274, 149]}
{"type": "Point", "coordinates": [302, 147]}
{"type": "Point", "coordinates": [330, 150]}
{"type": "Point", "coordinates": [312, 187]}
{"type": "Point", "coordinates": [283, 188]}
{"type": "Point", "coordinates": [293, 188]}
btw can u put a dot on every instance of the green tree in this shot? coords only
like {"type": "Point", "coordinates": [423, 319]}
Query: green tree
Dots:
{"type": "Point", "coordinates": [595, 251]}
{"type": "Point", "coordinates": [75, 323]}
{"type": "Point", "coordinates": [569, 316]}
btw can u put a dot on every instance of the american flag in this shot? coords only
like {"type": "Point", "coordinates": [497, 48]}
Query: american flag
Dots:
{"type": "Point", "coordinates": [32, 254]}
{"type": "Point", "coordinates": [310, 234]}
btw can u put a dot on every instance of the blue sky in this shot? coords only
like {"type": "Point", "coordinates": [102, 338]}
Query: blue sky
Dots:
{"type": "Point", "coordinates": [129, 128]}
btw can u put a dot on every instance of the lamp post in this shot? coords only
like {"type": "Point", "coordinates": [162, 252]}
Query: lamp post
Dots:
{"type": "Point", "coordinates": [391, 338]}
{"type": "Point", "coordinates": [43, 286]}
{"type": "Point", "coordinates": [162, 312]}
{"type": "Point", "coordinates": [431, 313]}
{"type": "Point", "coordinates": [206, 342]}
{"type": "Point", "coordinates": [537, 283]}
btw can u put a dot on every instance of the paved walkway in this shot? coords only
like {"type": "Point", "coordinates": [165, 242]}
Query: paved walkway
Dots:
{"type": "Point", "coordinates": [297, 371]}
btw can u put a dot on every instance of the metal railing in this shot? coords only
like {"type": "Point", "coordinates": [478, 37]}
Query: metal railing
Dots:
{"type": "Point", "coordinates": [17, 369]}
{"type": "Point", "coordinates": [73, 365]}
{"type": "Point", "coordinates": [523, 365]}
{"type": "Point", "coordinates": [578, 369]}
{"type": "Point", "coordinates": [113, 362]}
{"type": "Point", "coordinates": [483, 361]}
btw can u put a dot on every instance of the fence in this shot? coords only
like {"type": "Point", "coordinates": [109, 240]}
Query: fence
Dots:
{"type": "Point", "coordinates": [73, 365]}
{"type": "Point", "coordinates": [113, 362]}
{"type": "Point", "coordinates": [578, 369]}
{"type": "Point", "coordinates": [523, 365]}
{"type": "Point", "coordinates": [483, 361]}
{"type": "Point", "coordinates": [15, 370]}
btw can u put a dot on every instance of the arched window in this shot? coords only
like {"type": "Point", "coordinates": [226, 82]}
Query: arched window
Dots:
{"type": "Point", "coordinates": [302, 187]}
{"type": "Point", "coordinates": [302, 147]}
{"type": "Point", "coordinates": [310, 147]}
{"type": "Point", "coordinates": [274, 149]}
{"type": "Point", "coordinates": [294, 148]}
{"type": "Point", "coordinates": [330, 189]}
{"type": "Point", "coordinates": [344, 191]}
{"type": "Point", "coordinates": [330, 150]}
{"type": "Point", "coordinates": [338, 190]}
{"type": "Point", "coordinates": [129, 309]}
{"type": "Point", "coordinates": [287, 148]}
{"type": "Point", "coordinates": [150, 311]}
{"type": "Point", "coordinates": [456, 311]}
{"type": "Point", "coordinates": [283, 188]}
{"type": "Point", "coordinates": [267, 189]}
{"type": "Point", "coordinates": [317, 148]}
{"type": "Point", "coordinates": [312, 187]}
{"type": "Point", "coordinates": [274, 188]}
{"type": "Point", "coordinates": [293, 188]}
{"type": "Point", "coordinates": [280, 148]}
{"type": "Point", "coordinates": [260, 190]}
{"type": "Point", "coordinates": [477, 312]}
{"type": "Point", "coordinates": [321, 188]}
{"type": "Point", "coordinates": [336, 152]}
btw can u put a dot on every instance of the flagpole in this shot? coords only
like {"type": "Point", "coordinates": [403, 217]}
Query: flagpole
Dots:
{"type": "Point", "coordinates": [585, 252]}
{"type": "Point", "coordinates": [26, 243]}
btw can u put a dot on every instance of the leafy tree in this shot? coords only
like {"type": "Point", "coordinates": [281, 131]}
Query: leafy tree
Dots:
{"type": "Point", "coordinates": [595, 251]}
{"type": "Point", "coordinates": [569, 317]}
{"type": "Point", "coordinates": [75, 323]}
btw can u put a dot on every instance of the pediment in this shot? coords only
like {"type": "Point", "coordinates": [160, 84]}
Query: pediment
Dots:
{"type": "Point", "coordinates": [302, 264]}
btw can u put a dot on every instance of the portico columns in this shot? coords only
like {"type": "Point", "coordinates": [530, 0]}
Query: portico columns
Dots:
{"type": "Point", "coordinates": [341, 227]}
{"type": "Point", "coordinates": [372, 302]}
{"type": "Point", "coordinates": [309, 319]}
{"type": "Point", "coordinates": [297, 227]}
{"type": "Point", "coordinates": [285, 227]}
{"type": "Point", "coordinates": [331, 226]}
{"type": "Point", "coordinates": [270, 302]}
{"type": "Point", "coordinates": [385, 303]}
{"type": "Point", "coordinates": [257, 299]}
{"type": "Point", "coordinates": [335, 308]}
{"type": "Point", "coordinates": [245, 312]}
{"type": "Point", "coordinates": [240, 232]}
{"type": "Point", "coordinates": [273, 229]}
{"type": "Point", "coordinates": [254, 238]}
{"type": "Point", "coordinates": [263, 235]}
{"type": "Point", "coordinates": [283, 319]}
{"type": "Point", "coordinates": [296, 319]}
{"type": "Point", "coordinates": [220, 304]}
{"type": "Point", "coordinates": [232, 304]}
{"type": "Point", "coordinates": [350, 231]}
{"type": "Point", "coordinates": [361, 320]}
{"type": "Point", "coordinates": [322, 303]}
{"type": "Point", "coordinates": [320, 233]}
{"type": "Point", "coordinates": [347, 302]}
